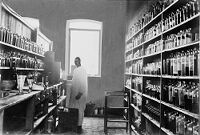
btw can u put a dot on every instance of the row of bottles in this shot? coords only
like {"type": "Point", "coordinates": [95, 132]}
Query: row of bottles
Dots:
{"type": "Point", "coordinates": [154, 10]}
{"type": "Point", "coordinates": [137, 67]}
{"type": "Point", "coordinates": [137, 83]}
{"type": "Point", "coordinates": [137, 100]}
{"type": "Point", "coordinates": [183, 37]}
{"type": "Point", "coordinates": [138, 53]}
{"type": "Point", "coordinates": [128, 69]}
{"type": "Point", "coordinates": [129, 47]}
{"type": "Point", "coordinates": [155, 47]}
{"type": "Point", "coordinates": [20, 41]}
{"type": "Point", "coordinates": [180, 15]}
{"type": "Point", "coordinates": [182, 94]}
{"type": "Point", "coordinates": [153, 31]}
{"type": "Point", "coordinates": [152, 89]}
{"type": "Point", "coordinates": [17, 59]}
{"type": "Point", "coordinates": [184, 63]}
{"type": "Point", "coordinates": [136, 120]}
{"type": "Point", "coordinates": [153, 68]}
{"type": "Point", "coordinates": [128, 82]}
{"type": "Point", "coordinates": [129, 56]}
{"type": "Point", "coordinates": [138, 40]}
{"type": "Point", "coordinates": [179, 124]}
{"type": "Point", "coordinates": [152, 109]}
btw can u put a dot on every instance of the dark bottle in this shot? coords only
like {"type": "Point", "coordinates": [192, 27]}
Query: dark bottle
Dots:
{"type": "Point", "coordinates": [192, 8]}
{"type": "Point", "coordinates": [195, 99]}
{"type": "Point", "coordinates": [195, 53]}
{"type": "Point", "coordinates": [189, 10]}
{"type": "Point", "coordinates": [164, 67]}
{"type": "Point", "coordinates": [188, 101]}
{"type": "Point", "coordinates": [168, 65]}
{"type": "Point", "coordinates": [165, 93]}
{"type": "Point", "coordinates": [191, 63]}
{"type": "Point", "coordinates": [179, 63]}
{"type": "Point", "coordinates": [159, 68]}
{"type": "Point", "coordinates": [196, 4]}
{"type": "Point", "coordinates": [187, 63]}
{"type": "Point", "coordinates": [183, 61]}
{"type": "Point", "coordinates": [171, 64]}
{"type": "Point", "coordinates": [175, 70]}
{"type": "Point", "coordinates": [188, 36]}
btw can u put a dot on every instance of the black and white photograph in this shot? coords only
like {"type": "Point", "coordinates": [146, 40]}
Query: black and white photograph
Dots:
{"type": "Point", "coordinates": [99, 67]}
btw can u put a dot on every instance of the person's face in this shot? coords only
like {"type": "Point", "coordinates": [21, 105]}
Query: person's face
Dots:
{"type": "Point", "coordinates": [77, 62]}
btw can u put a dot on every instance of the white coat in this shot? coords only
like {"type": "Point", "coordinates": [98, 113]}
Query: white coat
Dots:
{"type": "Point", "coordinates": [79, 84]}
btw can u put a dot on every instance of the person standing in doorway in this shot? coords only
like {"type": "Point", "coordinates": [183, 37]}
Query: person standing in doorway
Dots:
{"type": "Point", "coordinates": [79, 91]}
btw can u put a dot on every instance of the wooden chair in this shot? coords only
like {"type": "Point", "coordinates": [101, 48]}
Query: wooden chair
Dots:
{"type": "Point", "coordinates": [107, 109]}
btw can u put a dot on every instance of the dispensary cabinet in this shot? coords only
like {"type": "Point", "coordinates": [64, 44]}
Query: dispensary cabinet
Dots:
{"type": "Point", "coordinates": [162, 69]}
{"type": "Point", "coordinates": [22, 49]}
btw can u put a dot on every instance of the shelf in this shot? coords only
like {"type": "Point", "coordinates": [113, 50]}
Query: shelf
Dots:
{"type": "Point", "coordinates": [50, 109]}
{"type": "Point", "coordinates": [148, 75]}
{"type": "Point", "coordinates": [134, 34]}
{"type": "Point", "coordinates": [128, 87]}
{"type": "Point", "coordinates": [28, 69]}
{"type": "Point", "coordinates": [4, 67]}
{"type": "Point", "coordinates": [122, 107]}
{"type": "Point", "coordinates": [136, 74]}
{"type": "Point", "coordinates": [38, 121]}
{"type": "Point", "coordinates": [61, 99]}
{"type": "Point", "coordinates": [160, 13]}
{"type": "Point", "coordinates": [152, 38]}
{"type": "Point", "coordinates": [181, 77]}
{"type": "Point", "coordinates": [137, 58]}
{"type": "Point", "coordinates": [128, 50]}
{"type": "Point", "coordinates": [168, 132]}
{"type": "Point", "coordinates": [196, 116]}
{"type": "Point", "coordinates": [149, 97]}
{"type": "Point", "coordinates": [136, 91]}
{"type": "Point", "coordinates": [151, 119]}
{"type": "Point", "coordinates": [128, 73]}
{"type": "Point", "coordinates": [182, 46]}
{"type": "Point", "coordinates": [31, 69]}
{"type": "Point", "coordinates": [135, 107]}
{"type": "Point", "coordinates": [150, 55]}
{"type": "Point", "coordinates": [176, 26]}
{"type": "Point", "coordinates": [152, 20]}
{"type": "Point", "coordinates": [11, 11]}
{"type": "Point", "coordinates": [15, 99]}
{"type": "Point", "coordinates": [18, 48]}
{"type": "Point", "coordinates": [56, 85]}
{"type": "Point", "coordinates": [138, 46]}
{"type": "Point", "coordinates": [117, 120]}
{"type": "Point", "coordinates": [126, 61]}
{"type": "Point", "coordinates": [133, 129]}
{"type": "Point", "coordinates": [20, 132]}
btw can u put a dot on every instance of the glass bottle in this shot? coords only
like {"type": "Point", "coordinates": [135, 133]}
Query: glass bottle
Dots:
{"type": "Point", "coordinates": [183, 61]}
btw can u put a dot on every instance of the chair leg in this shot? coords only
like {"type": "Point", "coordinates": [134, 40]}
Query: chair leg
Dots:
{"type": "Point", "coordinates": [105, 116]}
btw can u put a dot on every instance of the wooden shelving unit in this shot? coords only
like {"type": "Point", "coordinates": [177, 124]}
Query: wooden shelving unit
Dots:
{"type": "Point", "coordinates": [24, 46]}
{"type": "Point", "coordinates": [160, 78]}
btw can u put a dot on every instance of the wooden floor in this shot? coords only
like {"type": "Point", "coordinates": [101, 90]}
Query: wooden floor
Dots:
{"type": "Point", "coordinates": [95, 126]}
